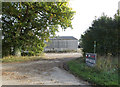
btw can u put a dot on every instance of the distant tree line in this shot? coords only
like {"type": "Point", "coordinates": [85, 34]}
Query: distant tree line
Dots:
{"type": "Point", "coordinates": [106, 32]}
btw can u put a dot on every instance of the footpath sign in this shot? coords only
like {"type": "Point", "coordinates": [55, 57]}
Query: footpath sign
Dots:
{"type": "Point", "coordinates": [91, 59]}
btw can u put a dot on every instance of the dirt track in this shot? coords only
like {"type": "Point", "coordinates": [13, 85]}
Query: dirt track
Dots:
{"type": "Point", "coordinates": [47, 71]}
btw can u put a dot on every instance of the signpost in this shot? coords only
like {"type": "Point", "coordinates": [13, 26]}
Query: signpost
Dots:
{"type": "Point", "coordinates": [94, 46]}
{"type": "Point", "coordinates": [91, 59]}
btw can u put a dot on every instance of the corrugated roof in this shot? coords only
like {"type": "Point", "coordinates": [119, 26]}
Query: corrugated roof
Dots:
{"type": "Point", "coordinates": [65, 38]}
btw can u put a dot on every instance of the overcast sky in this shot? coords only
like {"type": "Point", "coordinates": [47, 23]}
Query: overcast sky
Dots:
{"type": "Point", "coordinates": [86, 10]}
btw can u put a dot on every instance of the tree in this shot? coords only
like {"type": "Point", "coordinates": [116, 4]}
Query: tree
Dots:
{"type": "Point", "coordinates": [26, 25]}
{"type": "Point", "coordinates": [117, 28]}
{"type": "Point", "coordinates": [104, 31]}
{"type": "Point", "coordinates": [0, 30]}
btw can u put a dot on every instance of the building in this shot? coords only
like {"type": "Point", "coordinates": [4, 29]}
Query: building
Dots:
{"type": "Point", "coordinates": [62, 43]}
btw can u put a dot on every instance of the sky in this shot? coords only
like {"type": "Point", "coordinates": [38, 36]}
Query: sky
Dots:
{"type": "Point", "coordinates": [86, 10]}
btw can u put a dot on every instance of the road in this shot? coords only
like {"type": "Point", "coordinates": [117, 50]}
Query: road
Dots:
{"type": "Point", "coordinates": [48, 71]}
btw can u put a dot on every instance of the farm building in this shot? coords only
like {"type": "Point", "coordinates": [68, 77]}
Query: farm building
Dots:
{"type": "Point", "coordinates": [62, 43]}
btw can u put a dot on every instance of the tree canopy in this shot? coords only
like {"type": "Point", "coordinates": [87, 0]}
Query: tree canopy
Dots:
{"type": "Point", "coordinates": [105, 31]}
{"type": "Point", "coordinates": [26, 25]}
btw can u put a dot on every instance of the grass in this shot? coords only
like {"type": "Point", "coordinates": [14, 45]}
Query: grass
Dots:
{"type": "Point", "coordinates": [10, 59]}
{"type": "Point", "coordinates": [64, 51]}
{"type": "Point", "coordinates": [93, 74]}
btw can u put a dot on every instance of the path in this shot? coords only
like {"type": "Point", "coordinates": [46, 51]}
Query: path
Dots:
{"type": "Point", "coordinates": [43, 72]}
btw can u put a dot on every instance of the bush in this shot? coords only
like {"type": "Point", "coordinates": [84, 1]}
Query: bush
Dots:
{"type": "Point", "coordinates": [104, 31]}
{"type": "Point", "coordinates": [107, 63]}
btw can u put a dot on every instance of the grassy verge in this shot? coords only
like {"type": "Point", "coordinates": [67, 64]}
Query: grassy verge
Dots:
{"type": "Point", "coordinates": [10, 59]}
{"type": "Point", "coordinates": [93, 74]}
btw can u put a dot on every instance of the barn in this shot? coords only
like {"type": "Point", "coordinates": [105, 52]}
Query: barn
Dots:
{"type": "Point", "coordinates": [62, 43]}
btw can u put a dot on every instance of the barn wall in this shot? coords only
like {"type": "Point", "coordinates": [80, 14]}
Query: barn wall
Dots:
{"type": "Point", "coordinates": [61, 45]}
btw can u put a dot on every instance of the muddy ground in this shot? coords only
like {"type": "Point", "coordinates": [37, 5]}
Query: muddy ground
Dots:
{"type": "Point", "coordinates": [48, 71]}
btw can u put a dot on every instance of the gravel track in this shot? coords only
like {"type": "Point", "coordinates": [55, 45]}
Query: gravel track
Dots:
{"type": "Point", "coordinates": [48, 71]}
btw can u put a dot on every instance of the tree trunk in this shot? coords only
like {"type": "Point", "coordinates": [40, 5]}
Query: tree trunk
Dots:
{"type": "Point", "coordinates": [17, 51]}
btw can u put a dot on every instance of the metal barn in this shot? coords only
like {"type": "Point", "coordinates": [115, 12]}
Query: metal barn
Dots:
{"type": "Point", "coordinates": [62, 43]}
